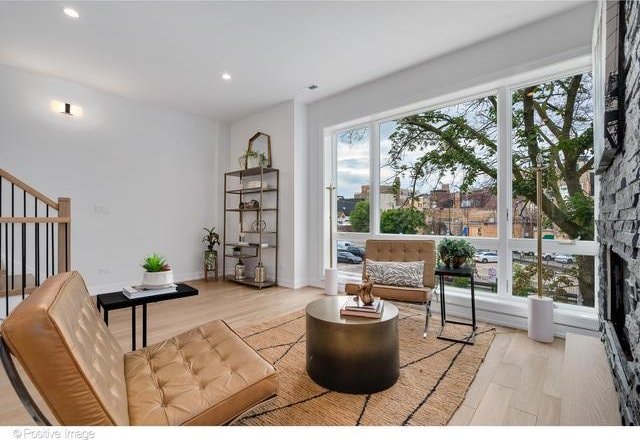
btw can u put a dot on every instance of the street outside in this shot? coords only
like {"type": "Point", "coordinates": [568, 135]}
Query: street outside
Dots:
{"type": "Point", "coordinates": [486, 273]}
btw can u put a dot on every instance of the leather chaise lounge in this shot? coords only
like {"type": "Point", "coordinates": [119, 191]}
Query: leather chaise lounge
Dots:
{"type": "Point", "coordinates": [205, 376]}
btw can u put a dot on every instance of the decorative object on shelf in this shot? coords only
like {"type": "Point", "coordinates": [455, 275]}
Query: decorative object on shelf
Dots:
{"type": "Point", "coordinates": [540, 308]}
{"type": "Point", "coordinates": [260, 143]}
{"type": "Point", "coordinates": [158, 272]}
{"type": "Point", "coordinates": [237, 251]}
{"type": "Point", "coordinates": [260, 273]}
{"type": "Point", "coordinates": [251, 204]}
{"type": "Point", "coordinates": [454, 253]}
{"type": "Point", "coordinates": [254, 184]}
{"type": "Point", "coordinates": [331, 273]}
{"type": "Point", "coordinates": [364, 291]}
{"type": "Point", "coordinates": [239, 272]}
{"type": "Point", "coordinates": [252, 159]}
{"type": "Point", "coordinates": [258, 226]}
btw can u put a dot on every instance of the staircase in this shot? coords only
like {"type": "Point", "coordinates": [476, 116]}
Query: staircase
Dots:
{"type": "Point", "coordinates": [35, 239]}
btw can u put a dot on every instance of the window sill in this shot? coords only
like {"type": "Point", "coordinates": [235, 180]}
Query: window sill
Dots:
{"type": "Point", "coordinates": [508, 311]}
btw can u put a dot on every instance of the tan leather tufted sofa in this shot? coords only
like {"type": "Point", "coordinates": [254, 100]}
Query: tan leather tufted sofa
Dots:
{"type": "Point", "coordinates": [402, 250]}
{"type": "Point", "coordinates": [205, 376]}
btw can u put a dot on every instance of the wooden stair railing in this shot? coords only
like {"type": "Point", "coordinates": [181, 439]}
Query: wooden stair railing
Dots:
{"type": "Point", "coordinates": [44, 257]}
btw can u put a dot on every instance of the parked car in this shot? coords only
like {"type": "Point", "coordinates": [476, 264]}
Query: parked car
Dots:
{"type": "Point", "coordinates": [348, 257]}
{"type": "Point", "coordinates": [548, 256]}
{"type": "Point", "coordinates": [564, 259]}
{"type": "Point", "coordinates": [486, 257]}
{"type": "Point", "coordinates": [522, 254]}
{"type": "Point", "coordinates": [355, 250]}
{"type": "Point", "coordinates": [343, 244]}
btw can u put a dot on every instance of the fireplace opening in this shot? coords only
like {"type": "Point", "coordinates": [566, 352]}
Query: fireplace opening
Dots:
{"type": "Point", "coordinates": [619, 304]}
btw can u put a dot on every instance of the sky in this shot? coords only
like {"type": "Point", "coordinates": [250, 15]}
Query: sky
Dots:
{"type": "Point", "coordinates": [353, 165]}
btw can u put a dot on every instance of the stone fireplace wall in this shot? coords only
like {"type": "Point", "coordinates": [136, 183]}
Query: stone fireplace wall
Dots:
{"type": "Point", "coordinates": [618, 228]}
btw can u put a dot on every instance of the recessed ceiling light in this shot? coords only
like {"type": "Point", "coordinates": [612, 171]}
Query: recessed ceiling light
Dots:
{"type": "Point", "coordinates": [70, 12]}
{"type": "Point", "coordinates": [226, 76]}
{"type": "Point", "coordinates": [312, 87]}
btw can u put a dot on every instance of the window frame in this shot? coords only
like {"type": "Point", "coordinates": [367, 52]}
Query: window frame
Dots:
{"type": "Point", "coordinates": [503, 243]}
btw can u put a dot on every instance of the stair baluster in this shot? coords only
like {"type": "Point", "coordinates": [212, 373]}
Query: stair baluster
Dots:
{"type": "Point", "coordinates": [30, 273]}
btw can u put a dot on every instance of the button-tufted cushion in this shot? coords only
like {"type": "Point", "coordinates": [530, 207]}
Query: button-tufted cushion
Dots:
{"type": "Point", "coordinates": [401, 250]}
{"type": "Point", "coordinates": [68, 353]}
{"type": "Point", "coordinates": [206, 376]}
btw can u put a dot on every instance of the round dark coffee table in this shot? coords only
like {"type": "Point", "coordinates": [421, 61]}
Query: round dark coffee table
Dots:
{"type": "Point", "coordinates": [351, 354]}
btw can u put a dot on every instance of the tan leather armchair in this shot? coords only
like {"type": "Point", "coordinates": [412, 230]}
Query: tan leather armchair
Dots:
{"type": "Point", "coordinates": [403, 250]}
{"type": "Point", "coordinates": [205, 376]}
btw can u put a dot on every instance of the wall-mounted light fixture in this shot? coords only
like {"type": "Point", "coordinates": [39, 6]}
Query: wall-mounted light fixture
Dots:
{"type": "Point", "coordinates": [66, 109]}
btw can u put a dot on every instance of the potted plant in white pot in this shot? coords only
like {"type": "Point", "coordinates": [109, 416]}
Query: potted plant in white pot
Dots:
{"type": "Point", "coordinates": [212, 239]}
{"type": "Point", "coordinates": [158, 273]}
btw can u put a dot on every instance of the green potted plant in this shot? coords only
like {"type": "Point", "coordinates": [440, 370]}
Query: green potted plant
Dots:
{"type": "Point", "coordinates": [253, 159]}
{"type": "Point", "coordinates": [158, 273]}
{"type": "Point", "coordinates": [455, 252]}
{"type": "Point", "coordinates": [212, 239]}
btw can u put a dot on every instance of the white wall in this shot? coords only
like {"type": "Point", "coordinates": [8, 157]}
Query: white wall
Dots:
{"type": "Point", "coordinates": [540, 44]}
{"type": "Point", "coordinates": [277, 122]}
{"type": "Point", "coordinates": [301, 191]}
{"type": "Point", "coordinates": [156, 171]}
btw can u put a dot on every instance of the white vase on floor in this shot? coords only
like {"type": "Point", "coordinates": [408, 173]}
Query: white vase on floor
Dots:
{"type": "Point", "coordinates": [331, 281]}
{"type": "Point", "coordinates": [540, 318]}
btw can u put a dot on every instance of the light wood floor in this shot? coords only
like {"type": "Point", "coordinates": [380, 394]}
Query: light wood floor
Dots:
{"type": "Point", "coordinates": [519, 383]}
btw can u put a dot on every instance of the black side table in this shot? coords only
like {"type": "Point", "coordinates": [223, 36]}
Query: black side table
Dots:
{"type": "Point", "coordinates": [466, 272]}
{"type": "Point", "coordinates": [117, 300]}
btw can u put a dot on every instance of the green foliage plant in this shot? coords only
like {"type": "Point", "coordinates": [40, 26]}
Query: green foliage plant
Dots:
{"type": "Point", "coordinates": [359, 217]}
{"type": "Point", "coordinates": [401, 221]}
{"type": "Point", "coordinates": [461, 282]}
{"type": "Point", "coordinates": [243, 160]}
{"type": "Point", "coordinates": [450, 248]}
{"type": "Point", "coordinates": [212, 238]}
{"type": "Point", "coordinates": [155, 263]}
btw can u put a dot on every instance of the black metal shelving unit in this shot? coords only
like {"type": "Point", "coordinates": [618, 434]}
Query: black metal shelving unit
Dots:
{"type": "Point", "coordinates": [261, 246]}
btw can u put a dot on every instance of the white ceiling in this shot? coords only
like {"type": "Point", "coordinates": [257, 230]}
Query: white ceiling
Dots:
{"type": "Point", "coordinates": [173, 53]}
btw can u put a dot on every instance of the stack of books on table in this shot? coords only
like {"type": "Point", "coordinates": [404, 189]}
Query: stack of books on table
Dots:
{"type": "Point", "coordinates": [354, 307]}
{"type": "Point", "coordinates": [134, 292]}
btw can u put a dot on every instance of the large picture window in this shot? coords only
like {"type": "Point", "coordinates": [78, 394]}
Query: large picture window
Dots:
{"type": "Point", "coordinates": [352, 196]}
{"type": "Point", "coordinates": [467, 169]}
{"type": "Point", "coordinates": [555, 118]}
{"type": "Point", "coordinates": [438, 171]}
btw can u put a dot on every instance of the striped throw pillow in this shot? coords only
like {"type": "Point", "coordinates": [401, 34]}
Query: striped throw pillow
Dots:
{"type": "Point", "coordinates": [396, 273]}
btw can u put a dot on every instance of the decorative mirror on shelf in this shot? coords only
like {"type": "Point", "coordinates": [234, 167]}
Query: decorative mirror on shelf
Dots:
{"type": "Point", "coordinates": [260, 144]}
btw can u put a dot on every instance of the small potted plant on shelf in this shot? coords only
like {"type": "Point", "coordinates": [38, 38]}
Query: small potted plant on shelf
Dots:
{"type": "Point", "coordinates": [158, 272]}
{"type": "Point", "coordinates": [253, 159]}
{"type": "Point", "coordinates": [212, 239]}
{"type": "Point", "coordinates": [455, 252]}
